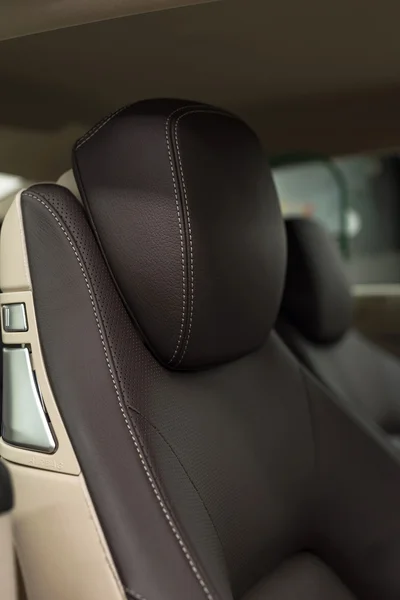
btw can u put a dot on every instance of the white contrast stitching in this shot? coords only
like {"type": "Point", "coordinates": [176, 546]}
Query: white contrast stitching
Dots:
{"type": "Point", "coordinates": [191, 284]}
{"type": "Point", "coordinates": [89, 134]}
{"type": "Point", "coordinates": [180, 235]}
{"type": "Point", "coordinates": [136, 444]}
{"type": "Point", "coordinates": [135, 595]}
{"type": "Point", "coordinates": [190, 112]}
{"type": "Point", "coordinates": [184, 283]}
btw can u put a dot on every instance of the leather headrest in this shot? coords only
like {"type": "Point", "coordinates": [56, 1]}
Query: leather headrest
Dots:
{"type": "Point", "coordinates": [317, 298]}
{"type": "Point", "coordinates": [182, 201]}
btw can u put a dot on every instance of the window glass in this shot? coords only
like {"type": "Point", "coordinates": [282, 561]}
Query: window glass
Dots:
{"type": "Point", "coordinates": [357, 198]}
{"type": "Point", "coordinates": [9, 184]}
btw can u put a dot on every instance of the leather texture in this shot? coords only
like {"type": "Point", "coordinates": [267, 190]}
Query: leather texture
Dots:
{"type": "Point", "coordinates": [189, 223]}
{"type": "Point", "coordinates": [363, 375]}
{"type": "Point", "coordinates": [243, 480]}
{"type": "Point", "coordinates": [316, 299]}
{"type": "Point", "coordinates": [6, 491]}
{"type": "Point", "coordinates": [313, 580]}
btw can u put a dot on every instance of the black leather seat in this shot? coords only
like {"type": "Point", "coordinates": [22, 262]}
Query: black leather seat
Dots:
{"type": "Point", "coordinates": [316, 323]}
{"type": "Point", "coordinates": [218, 467]}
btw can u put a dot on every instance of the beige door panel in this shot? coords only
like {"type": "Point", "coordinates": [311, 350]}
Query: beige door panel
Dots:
{"type": "Point", "coordinates": [8, 588]}
{"type": "Point", "coordinates": [59, 542]}
{"type": "Point", "coordinates": [14, 268]}
{"type": "Point", "coordinates": [63, 459]}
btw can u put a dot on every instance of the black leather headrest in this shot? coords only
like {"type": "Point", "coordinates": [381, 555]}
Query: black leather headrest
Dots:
{"type": "Point", "coordinates": [182, 201]}
{"type": "Point", "coordinates": [317, 298]}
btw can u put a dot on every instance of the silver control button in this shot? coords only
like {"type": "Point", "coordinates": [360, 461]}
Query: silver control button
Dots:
{"type": "Point", "coordinates": [14, 317]}
{"type": "Point", "coordinates": [24, 420]}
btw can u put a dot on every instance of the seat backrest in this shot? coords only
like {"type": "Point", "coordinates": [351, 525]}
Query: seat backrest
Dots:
{"type": "Point", "coordinates": [316, 323]}
{"type": "Point", "coordinates": [199, 459]}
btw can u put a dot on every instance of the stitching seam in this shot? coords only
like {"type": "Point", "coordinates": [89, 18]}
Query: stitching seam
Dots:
{"type": "Point", "coordinates": [191, 282]}
{"type": "Point", "coordinates": [164, 439]}
{"type": "Point", "coordinates": [186, 206]}
{"type": "Point", "coordinates": [126, 419]}
{"type": "Point", "coordinates": [186, 285]}
{"type": "Point", "coordinates": [178, 344]}
{"type": "Point", "coordinates": [134, 595]}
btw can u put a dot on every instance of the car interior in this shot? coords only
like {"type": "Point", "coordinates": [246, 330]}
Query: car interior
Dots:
{"type": "Point", "coordinates": [200, 300]}
{"type": "Point", "coordinates": [316, 323]}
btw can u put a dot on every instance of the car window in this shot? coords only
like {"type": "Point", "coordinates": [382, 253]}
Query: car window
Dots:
{"type": "Point", "coordinates": [9, 184]}
{"type": "Point", "coordinates": [357, 198]}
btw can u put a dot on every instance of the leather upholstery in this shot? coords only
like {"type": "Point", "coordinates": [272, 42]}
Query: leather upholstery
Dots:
{"type": "Point", "coordinates": [6, 492]}
{"type": "Point", "coordinates": [177, 195]}
{"type": "Point", "coordinates": [364, 376]}
{"type": "Point", "coordinates": [316, 299]}
{"type": "Point", "coordinates": [243, 480]}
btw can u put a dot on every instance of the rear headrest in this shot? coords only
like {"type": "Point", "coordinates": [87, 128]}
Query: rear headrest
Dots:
{"type": "Point", "coordinates": [184, 208]}
{"type": "Point", "coordinates": [317, 298]}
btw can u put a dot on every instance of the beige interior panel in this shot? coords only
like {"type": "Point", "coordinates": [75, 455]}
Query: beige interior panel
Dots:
{"type": "Point", "coordinates": [16, 284]}
{"type": "Point", "coordinates": [5, 204]}
{"type": "Point", "coordinates": [63, 459]}
{"type": "Point", "coordinates": [14, 269]}
{"type": "Point", "coordinates": [8, 588]}
{"type": "Point", "coordinates": [60, 546]}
